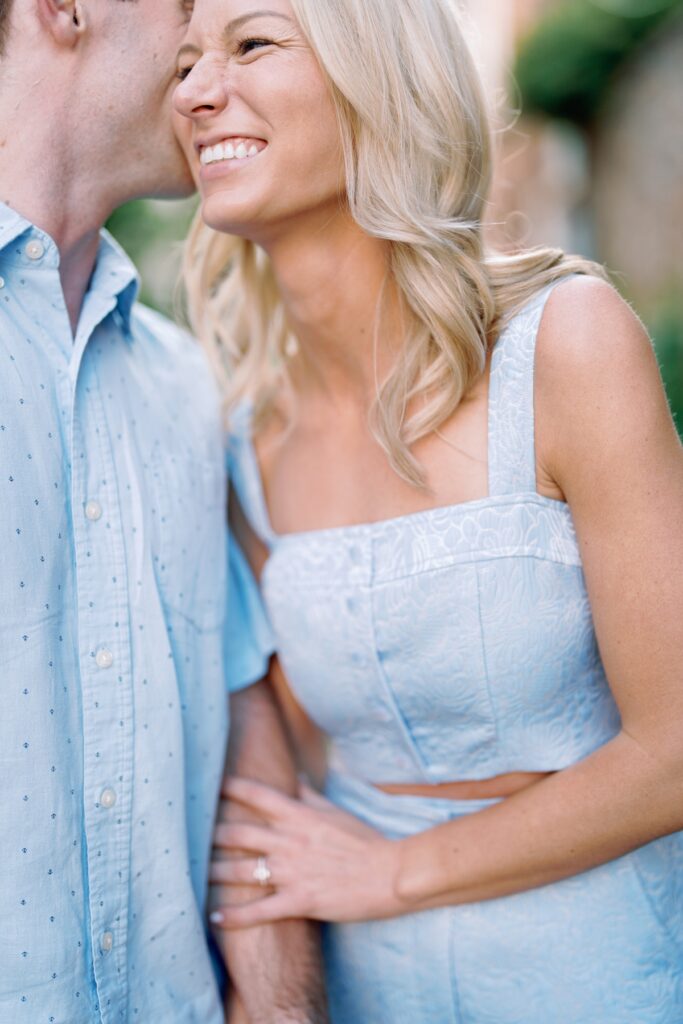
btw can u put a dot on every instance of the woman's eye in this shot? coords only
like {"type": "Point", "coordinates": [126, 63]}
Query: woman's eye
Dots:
{"type": "Point", "coordinates": [248, 45]}
{"type": "Point", "coordinates": [182, 73]}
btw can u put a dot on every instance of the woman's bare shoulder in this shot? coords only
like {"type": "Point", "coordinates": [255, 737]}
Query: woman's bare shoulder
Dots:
{"type": "Point", "coordinates": [587, 326]}
{"type": "Point", "coordinates": [598, 390]}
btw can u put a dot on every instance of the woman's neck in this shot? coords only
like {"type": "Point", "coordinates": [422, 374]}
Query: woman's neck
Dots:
{"type": "Point", "coordinates": [342, 306]}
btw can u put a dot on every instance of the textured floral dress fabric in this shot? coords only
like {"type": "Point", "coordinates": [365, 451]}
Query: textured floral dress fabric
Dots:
{"type": "Point", "coordinates": [458, 643]}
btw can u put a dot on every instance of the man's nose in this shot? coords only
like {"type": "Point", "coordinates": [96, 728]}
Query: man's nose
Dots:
{"type": "Point", "coordinates": [201, 92]}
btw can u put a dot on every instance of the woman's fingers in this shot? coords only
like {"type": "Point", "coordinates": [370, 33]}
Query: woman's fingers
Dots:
{"type": "Point", "coordinates": [333, 814]}
{"type": "Point", "coordinates": [268, 802]}
{"type": "Point", "coordinates": [233, 872]}
{"type": "Point", "coordinates": [256, 838]}
{"type": "Point", "coordinates": [264, 911]}
{"type": "Point", "coordinates": [244, 871]}
{"type": "Point", "coordinates": [312, 798]}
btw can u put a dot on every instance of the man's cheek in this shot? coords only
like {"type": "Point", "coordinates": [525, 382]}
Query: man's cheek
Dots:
{"type": "Point", "coordinates": [183, 131]}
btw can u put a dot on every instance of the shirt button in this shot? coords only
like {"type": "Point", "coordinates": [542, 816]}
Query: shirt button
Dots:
{"type": "Point", "coordinates": [107, 798]}
{"type": "Point", "coordinates": [35, 250]}
{"type": "Point", "coordinates": [93, 511]}
{"type": "Point", "coordinates": [104, 658]}
{"type": "Point", "coordinates": [2, 282]}
{"type": "Point", "coordinates": [106, 942]}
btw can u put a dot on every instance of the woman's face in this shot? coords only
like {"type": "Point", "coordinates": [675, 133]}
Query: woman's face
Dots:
{"type": "Point", "coordinates": [256, 120]}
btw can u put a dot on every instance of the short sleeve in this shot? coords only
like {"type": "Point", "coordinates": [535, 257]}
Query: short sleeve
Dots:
{"type": "Point", "coordinates": [249, 641]}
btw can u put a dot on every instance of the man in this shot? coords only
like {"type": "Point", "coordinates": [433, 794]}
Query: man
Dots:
{"type": "Point", "coordinates": [112, 560]}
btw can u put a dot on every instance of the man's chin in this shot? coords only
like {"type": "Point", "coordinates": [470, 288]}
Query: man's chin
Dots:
{"type": "Point", "coordinates": [177, 190]}
{"type": "Point", "coordinates": [175, 179]}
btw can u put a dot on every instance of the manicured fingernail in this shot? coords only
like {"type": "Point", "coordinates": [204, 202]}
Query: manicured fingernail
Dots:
{"type": "Point", "coordinates": [216, 917]}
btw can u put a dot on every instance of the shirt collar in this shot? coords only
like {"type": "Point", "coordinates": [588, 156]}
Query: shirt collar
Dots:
{"type": "Point", "coordinates": [114, 274]}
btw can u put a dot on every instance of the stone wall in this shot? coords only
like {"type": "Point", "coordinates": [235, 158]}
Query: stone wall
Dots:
{"type": "Point", "coordinates": [615, 194]}
{"type": "Point", "coordinates": [638, 171]}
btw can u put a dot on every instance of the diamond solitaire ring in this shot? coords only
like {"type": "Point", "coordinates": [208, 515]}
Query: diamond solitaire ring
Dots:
{"type": "Point", "coordinates": [262, 873]}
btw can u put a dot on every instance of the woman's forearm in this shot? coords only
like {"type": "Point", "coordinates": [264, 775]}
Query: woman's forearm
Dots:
{"type": "Point", "coordinates": [620, 797]}
{"type": "Point", "coordinates": [328, 866]}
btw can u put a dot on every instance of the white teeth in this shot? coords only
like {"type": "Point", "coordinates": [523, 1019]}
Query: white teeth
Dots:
{"type": "Point", "coordinates": [227, 151]}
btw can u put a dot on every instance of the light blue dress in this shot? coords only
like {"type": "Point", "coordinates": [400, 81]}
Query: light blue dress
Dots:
{"type": "Point", "coordinates": [458, 643]}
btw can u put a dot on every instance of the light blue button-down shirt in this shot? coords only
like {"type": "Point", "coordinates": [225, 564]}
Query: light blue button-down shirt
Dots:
{"type": "Point", "coordinates": [114, 648]}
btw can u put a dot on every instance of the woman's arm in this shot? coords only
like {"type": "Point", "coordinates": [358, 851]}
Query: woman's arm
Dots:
{"type": "Point", "coordinates": [605, 436]}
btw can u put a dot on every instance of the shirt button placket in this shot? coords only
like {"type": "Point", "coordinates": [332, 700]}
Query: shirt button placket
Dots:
{"type": "Point", "coordinates": [103, 619]}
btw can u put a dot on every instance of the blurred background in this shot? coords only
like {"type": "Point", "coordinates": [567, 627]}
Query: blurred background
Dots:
{"type": "Point", "coordinates": [588, 111]}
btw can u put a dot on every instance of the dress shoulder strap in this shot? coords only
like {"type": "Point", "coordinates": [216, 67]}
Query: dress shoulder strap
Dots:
{"type": "Point", "coordinates": [244, 474]}
{"type": "Point", "coordinates": [512, 454]}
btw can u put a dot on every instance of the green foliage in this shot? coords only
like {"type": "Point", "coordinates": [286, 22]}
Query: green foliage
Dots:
{"type": "Point", "coordinates": [565, 66]}
{"type": "Point", "coordinates": [667, 331]}
{"type": "Point", "coordinates": [151, 231]}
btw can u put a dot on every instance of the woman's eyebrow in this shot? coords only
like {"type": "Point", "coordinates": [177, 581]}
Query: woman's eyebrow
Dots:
{"type": "Point", "coordinates": [243, 18]}
{"type": "Point", "coordinates": [232, 26]}
{"type": "Point", "coordinates": [187, 48]}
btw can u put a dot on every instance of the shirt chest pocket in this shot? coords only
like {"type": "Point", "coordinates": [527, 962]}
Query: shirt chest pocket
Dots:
{"type": "Point", "coordinates": [188, 530]}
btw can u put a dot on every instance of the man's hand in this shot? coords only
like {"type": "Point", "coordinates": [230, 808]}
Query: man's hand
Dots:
{"type": "Point", "coordinates": [234, 1009]}
{"type": "Point", "coordinates": [276, 970]}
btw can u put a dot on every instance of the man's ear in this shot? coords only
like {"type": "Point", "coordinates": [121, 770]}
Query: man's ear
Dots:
{"type": "Point", "coordinates": [64, 19]}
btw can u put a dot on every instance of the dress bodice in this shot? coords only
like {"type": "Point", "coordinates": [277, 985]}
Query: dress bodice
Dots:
{"type": "Point", "coordinates": [451, 644]}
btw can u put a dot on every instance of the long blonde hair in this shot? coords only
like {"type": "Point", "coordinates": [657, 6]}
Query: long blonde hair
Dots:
{"type": "Point", "coordinates": [417, 152]}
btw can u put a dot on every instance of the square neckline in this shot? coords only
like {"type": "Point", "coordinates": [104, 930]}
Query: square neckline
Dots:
{"type": "Point", "coordinates": [518, 497]}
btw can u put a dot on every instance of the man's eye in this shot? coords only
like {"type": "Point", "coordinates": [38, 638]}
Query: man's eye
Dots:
{"type": "Point", "coordinates": [246, 46]}
{"type": "Point", "coordinates": [182, 73]}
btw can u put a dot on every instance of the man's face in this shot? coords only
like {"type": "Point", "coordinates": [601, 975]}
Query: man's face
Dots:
{"type": "Point", "coordinates": [131, 76]}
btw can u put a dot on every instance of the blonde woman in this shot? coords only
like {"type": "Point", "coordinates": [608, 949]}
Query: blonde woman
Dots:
{"type": "Point", "coordinates": [462, 490]}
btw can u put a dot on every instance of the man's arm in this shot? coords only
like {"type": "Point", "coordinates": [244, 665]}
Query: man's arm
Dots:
{"type": "Point", "coordinates": [275, 970]}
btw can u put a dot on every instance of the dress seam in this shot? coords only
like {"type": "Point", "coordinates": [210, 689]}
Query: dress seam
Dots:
{"type": "Point", "coordinates": [386, 686]}
{"type": "Point", "coordinates": [299, 584]}
{"type": "Point", "coordinates": [482, 640]}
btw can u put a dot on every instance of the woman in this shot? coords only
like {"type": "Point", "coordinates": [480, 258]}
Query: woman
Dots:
{"type": "Point", "coordinates": [461, 487]}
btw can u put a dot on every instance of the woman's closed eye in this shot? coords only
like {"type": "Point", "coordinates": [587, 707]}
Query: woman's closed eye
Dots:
{"type": "Point", "coordinates": [246, 46]}
{"type": "Point", "coordinates": [243, 48]}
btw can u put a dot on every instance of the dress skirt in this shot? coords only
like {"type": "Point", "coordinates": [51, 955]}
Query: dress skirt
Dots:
{"type": "Point", "coordinates": [603, 947]}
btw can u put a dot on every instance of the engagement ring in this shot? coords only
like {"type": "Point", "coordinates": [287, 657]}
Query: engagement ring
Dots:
{"type": "Point", "coordinates": [262, 873]}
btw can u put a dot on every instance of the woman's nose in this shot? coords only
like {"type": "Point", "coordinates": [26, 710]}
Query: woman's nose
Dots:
{"type": "Point", "coordinates": [200, 92]}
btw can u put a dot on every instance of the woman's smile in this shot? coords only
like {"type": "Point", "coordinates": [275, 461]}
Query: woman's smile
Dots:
{"type": "Point", "coordinates": [230, 148]}
{"type": "Point", "coordinates": [232, 153]}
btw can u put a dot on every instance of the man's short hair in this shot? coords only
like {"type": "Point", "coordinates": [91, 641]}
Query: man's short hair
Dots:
{"type": "Point", "coordinates": [5, 6]}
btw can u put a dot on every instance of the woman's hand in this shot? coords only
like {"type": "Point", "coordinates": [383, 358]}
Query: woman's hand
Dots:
{"type": "Point", "coordinates": [324, 864]}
